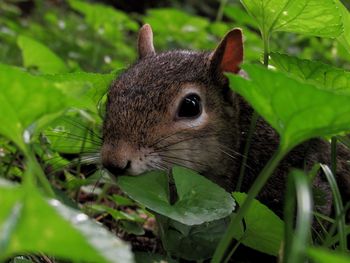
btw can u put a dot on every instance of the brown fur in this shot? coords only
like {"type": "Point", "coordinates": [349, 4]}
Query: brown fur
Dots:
{"type": "Point", "coordinates": [140, 114]}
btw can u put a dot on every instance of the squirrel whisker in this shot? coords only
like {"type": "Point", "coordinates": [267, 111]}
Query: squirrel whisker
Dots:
{"type": "Point", "coordinates": [72, 136]}
{"type": "Point", "coordinates": [83, 127]}
{"type": "Point", "coordinates": [190, 137]}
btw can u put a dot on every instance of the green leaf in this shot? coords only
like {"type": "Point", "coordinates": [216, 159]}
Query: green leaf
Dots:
{"type": "Point", "coordinates": [182, 30]}
{"type": "Point", "coordinates": [196, 242]}
{"type": "Point", "coordinates": [73, 135]}
{"type": "Point", "coordinates": [344, 38]}
{"type": "Point", "coordinates": [264, 230]}
{"type": "Point", "coordinates": [39, 226]}
{"type": "Point", "coordinates": [314, 72]}
{"type": "Point", "coordinates": [108, 22]}
{"type": "Point", "coordinates": [321, 255]}
{"type": "Point", "coordinates": [25, 99]}
{"type": "Point", "coordinates": [35, 54]}
{"type": "Point", "coordinates": [92, 86]}
{"type": "Point", "coordinates": [310, 17]}
{"type": "Point", "coordinates": [199, 200]}
{"type": "Point", "coordinates": [298, 111]}
{"type": "Point", "coordinates": [237, 14]}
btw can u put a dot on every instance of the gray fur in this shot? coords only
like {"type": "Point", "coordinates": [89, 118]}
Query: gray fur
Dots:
{"type": "Point", "coordinates": [138, 107]}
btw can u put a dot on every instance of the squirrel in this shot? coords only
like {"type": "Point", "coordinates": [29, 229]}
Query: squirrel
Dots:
{"type": "Point", "coordinates": [176, 108]}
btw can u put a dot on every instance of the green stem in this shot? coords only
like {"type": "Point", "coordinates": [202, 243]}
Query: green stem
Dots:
{"type": "Point", "coordinates": [266, 39]}
{"type": "Point", "coordinates": [253, 192]}
{"type": "Point", "coordinates": [82, 148]}
{"type": "Point", "coordinates": [38, 173]}
{"type": "Point", "coordinates": [220, 13]}
{"type": "Point", "coordinates": [334, 155]}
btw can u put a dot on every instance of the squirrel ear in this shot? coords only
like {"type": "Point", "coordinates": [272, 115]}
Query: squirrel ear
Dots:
{"type": "Point", "coordinates": [145, 42]}
{"type": "Point", "coordinates": [229, 54]}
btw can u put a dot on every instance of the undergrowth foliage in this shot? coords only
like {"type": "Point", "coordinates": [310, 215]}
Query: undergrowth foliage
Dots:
{"type": "Point", "coordinates": [53, 189]}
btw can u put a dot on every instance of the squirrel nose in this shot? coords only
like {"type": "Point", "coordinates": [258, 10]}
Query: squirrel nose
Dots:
{"type": "Point", "coordinates": [116, 159]}
{"type": "Point", "coordinates": [117, 169]}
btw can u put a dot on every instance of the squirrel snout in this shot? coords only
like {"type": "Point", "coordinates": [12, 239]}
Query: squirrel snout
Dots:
{"type": "Point", "coordinates": [117, 162]}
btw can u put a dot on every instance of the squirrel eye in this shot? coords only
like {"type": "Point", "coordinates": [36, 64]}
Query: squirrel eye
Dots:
{"type": "Point", "coordinates": [190, 107]}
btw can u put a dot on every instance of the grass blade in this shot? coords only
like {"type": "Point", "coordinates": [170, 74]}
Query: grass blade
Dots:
{"type": "Point", "coordinates": [296, 242]}
{"type": "Point", "coordinates": [338, 206]}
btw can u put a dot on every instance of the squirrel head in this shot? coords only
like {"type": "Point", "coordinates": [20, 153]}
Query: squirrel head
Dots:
{"type": "Point", "coordinates": [174, 108]}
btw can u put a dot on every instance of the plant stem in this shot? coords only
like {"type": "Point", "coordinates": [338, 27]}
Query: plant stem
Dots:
{"type": "Point", "coordinates": [334, 155]}
{"type": "Point", "coordinates": [82, 149]}
{"type": "Point", "coordinates": [220, 13]}
{"type": "Point", "coordinates": [253, 192]}
{"type": "Point", "coordinates": [38, 173]}
{"type": "Point", "coordinates": [266, 39]}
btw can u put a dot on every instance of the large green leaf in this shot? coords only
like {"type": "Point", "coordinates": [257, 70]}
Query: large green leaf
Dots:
{"type": "Point", "coordinates": [199, 200]}
{"type": "Point", "coordinates": [298, 111]}
{"type": "Point", "coordinates": [26, 99]}
{"type": "Point", "coordinates": [310, 17]}
{"type": "Point", "coordinates": [314, 72]}
{"type": "Point", "coordinates": [82, 85]}
{"type": "Point", "coordinates": [29, 223]}
{"type": "Point", "coordinates": [321, 255]}
{"type": "Point", "coordinates": [38, 55]}
{"type": "Point", "coordinates": [264, 229]}
{"type": "Point", "coordinates": [264, 232]}
{"type": "Point", "coordinates": [23, 100]}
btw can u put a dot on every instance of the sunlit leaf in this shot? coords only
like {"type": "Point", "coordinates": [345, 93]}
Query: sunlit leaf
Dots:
{"type": "Point", "coordinates": [84, 85]}
{"type": "Point", "coordinates": [236, 14]}
{"type": "Point", "coordinates": [344, 38]}
{"type": "Point", "coordinates": [314, 72]}
{"type": "Point", "coordinates": [39, 229]}
{"type": "Point", "coordinates": [199, 200]}
{"type": "Point", "coordinates": [36, 54]}
{"type": "Point", "coordinates": [25, 99]}
{"type": "Point", "coordinates": [298, 111]}
{"type": "Point", "coordinates": [310, 17]}
{"type": "Point", "coordinates": [72, 134]}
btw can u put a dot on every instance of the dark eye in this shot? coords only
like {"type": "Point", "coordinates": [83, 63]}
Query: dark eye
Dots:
{"type": "Point", "coordinates": [190, 107]}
